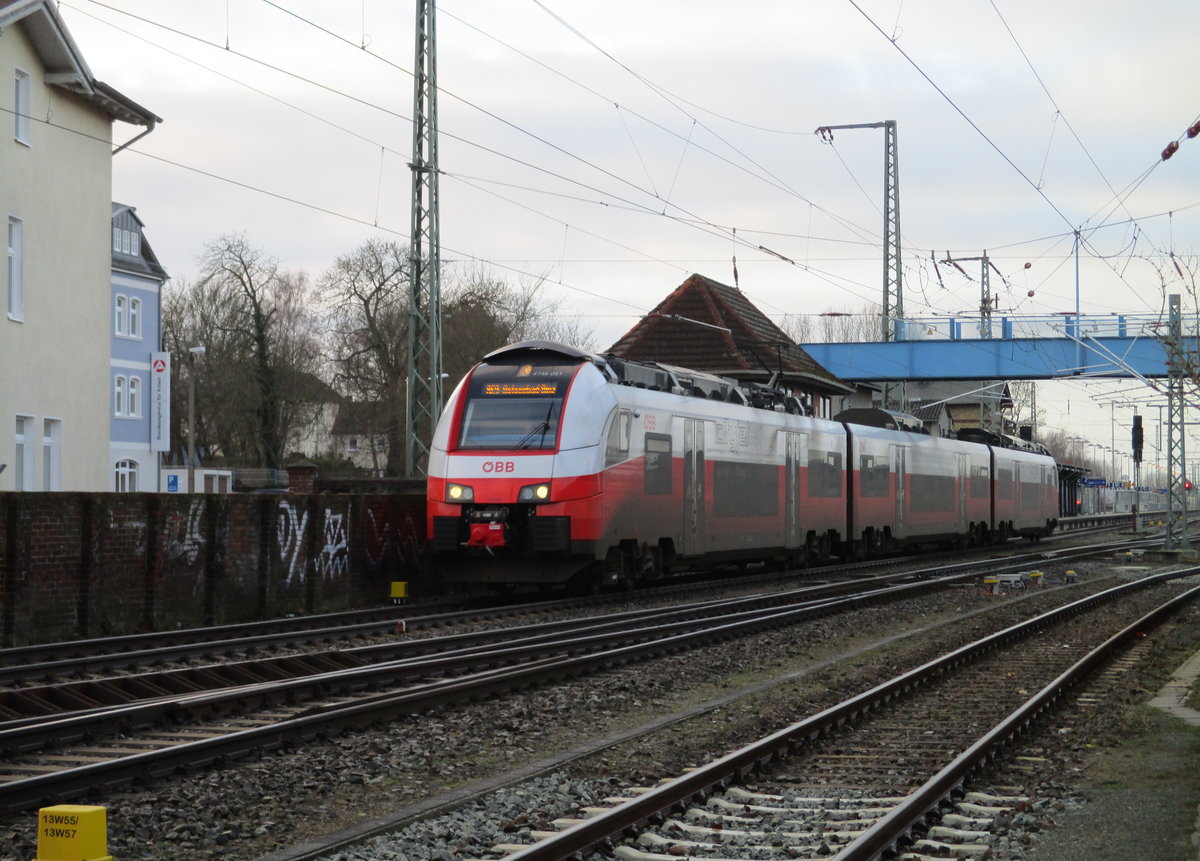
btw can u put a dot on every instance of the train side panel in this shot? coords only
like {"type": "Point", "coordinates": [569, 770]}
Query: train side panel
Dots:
{"type": "Point", "coordinates": [1025, 493]}
{"type": "Point", "coordinates": [912, 488]}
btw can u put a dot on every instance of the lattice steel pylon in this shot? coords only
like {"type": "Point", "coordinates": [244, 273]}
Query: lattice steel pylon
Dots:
{"type": "Point", "coordinates": [423, 399]}
{"type": "Point", "coordinates": [892, 314]}
{"type": "Point", "coordinates": [1177, 514]}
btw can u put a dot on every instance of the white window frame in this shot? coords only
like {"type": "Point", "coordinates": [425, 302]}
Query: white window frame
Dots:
{"type": "Point", "coordinates": [23, 453]}
{"type": "Point", "coordinates": [133, 402]}
{"type": "Point", "coordinates": [22, 107]}
{"type": "Point", "coordinates": [119, 314]}
{"type": "Point", "coordinates": [116, 238]}
{"type": "Point", "coordinates": [134, 329]}
{"type": "Point", "coordinates": [15, 269]}
{"type": "Point", "coordinates": [126, 475]}
{"type": "Point", "coordinates": [120, 394]}
{"type": "Point", "coordinates": [52, 442]}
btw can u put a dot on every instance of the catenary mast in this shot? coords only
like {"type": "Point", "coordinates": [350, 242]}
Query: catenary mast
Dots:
{"type": "Point", "coordinates": [423, 401]}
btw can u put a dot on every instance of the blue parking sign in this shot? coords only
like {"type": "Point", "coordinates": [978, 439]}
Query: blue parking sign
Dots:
{"type": "Point", "coordinates": [172, 484]}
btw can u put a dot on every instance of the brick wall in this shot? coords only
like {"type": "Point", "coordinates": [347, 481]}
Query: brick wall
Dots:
{"type": "Point", "coordinates": [76, 565]}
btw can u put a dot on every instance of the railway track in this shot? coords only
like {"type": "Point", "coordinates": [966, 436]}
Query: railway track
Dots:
{"type": "Point", "coordinates": [884, 771]}
{"type": "Point", "coordinates": [91, 656]}
{"type": "Point", "coordinates": [70, 753]}
{"type": "Point", "coordinates": [24, 698]}
{"type": "Point", "coordinates": [37, 664]}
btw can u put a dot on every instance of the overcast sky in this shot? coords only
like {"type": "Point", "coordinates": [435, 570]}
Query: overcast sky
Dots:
{"type": "Point", "coordinates": [614, 148]}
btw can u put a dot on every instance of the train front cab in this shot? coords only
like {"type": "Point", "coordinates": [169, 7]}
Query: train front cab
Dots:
{"type": "Point", "coordinates": [514, 471]}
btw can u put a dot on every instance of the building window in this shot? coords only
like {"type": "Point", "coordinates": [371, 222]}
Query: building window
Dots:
{"type": "Point", "coordinates": [16, 245]}
{"type": "Point", "coordinates": [23, 455]}
{"type": "Point", "coordinates": [127, 476]}
{"type": "Point", "coordinates": [352, 445]}
{"type": "Point", "coordinates": [116, 238]}
{"type": "Point", "coordinates": [135, 318]}
{"type": "Point", "coordinates": [23, 107]}
{"type": "Point", "coordinates": [134, 402]}
{"type": "Point", "coordinates": [52, 454]}
{"type": "Point", "coordinates": [119, 315]}
{"type": "Point", "coordinates": [120, 392]}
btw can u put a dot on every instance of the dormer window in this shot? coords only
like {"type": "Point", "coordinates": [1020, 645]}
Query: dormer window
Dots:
{"type": "Point", "coordinates": [127, 241]}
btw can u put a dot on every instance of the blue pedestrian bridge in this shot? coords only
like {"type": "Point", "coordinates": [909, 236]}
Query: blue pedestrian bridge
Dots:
{"type": "Point", "coordinates": [1059, 346]}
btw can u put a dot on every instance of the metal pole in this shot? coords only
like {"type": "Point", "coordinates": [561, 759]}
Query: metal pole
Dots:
{"type": "Point", "coordinates": [191, 455]}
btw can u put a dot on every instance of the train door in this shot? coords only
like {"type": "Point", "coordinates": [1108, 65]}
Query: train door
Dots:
{"type": "Point", "coordinates": [899, 462]}
{"type": "Point", "coordinates": [693, 487]}
{"type": "Point", "coordinates": [794, 455]}
{"type": "Point", "coordinates": [964, 481]}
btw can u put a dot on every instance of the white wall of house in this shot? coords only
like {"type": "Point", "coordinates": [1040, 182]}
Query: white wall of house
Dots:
{"type": "Point", "coordinates": [54, 347]}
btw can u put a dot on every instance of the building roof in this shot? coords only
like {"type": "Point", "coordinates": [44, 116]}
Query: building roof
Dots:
{"type": "Point", "coordinates": [360, 418]}
{"type": "Point", "coordinates": [145, 262]}
{"type": "Point", "coordinates": [63, 62]}
{"type": "Point", "coordinates": [708, 326]}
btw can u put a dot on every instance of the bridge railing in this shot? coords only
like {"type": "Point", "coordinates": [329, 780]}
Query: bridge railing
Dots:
{"type": "Point", "coordinates": [1008, 327]}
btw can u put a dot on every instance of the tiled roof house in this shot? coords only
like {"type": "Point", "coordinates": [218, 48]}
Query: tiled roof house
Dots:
{"type": "Point", "coordinates": [708, 326]}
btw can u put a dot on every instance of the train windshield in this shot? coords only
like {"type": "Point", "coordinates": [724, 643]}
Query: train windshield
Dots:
{"type": "Point", "coordinates": [514, 406]}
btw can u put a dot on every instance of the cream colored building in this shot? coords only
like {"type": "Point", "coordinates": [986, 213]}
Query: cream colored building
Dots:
{"type": "Point", "coordinates": [56, 150]}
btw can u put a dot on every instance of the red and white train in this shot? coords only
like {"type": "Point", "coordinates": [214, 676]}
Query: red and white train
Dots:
{"type": "Point", "coordinates": [550, 464]}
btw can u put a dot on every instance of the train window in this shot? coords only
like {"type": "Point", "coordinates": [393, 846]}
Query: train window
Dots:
{"type": "Point", "coordinates": [1031, 490]}
{"type": "Point", "coordinates": [931, 492]}
{"type": "Point", "coordinates": [874, 476]}
{"type": "Point", "coordinates": [745, 489]}
{"type": "Point", "coordinates": [658, 475]}
{"type": "Point", "coordinates": [514, 406]}
{"type": "Point", "coordinates": [824, 473]}
{"type": "Point", "coordinates": [1004, 484]}
{"type": "Point", "coordinates": [617, 448]}
{"type": "Point", "coordinates": [979, 482]}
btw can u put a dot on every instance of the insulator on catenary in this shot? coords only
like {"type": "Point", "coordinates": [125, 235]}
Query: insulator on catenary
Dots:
{"type": "Point", "coordinates": [1194, 129]}
{"type": "Point", "coordinates": [1170, 150]}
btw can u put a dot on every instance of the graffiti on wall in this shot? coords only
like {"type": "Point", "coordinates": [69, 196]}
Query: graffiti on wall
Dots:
{"type": "Point", "coordinates": [333, 560]}
{"type": "Point", "coordinates": [290, 532]}
{"type": "Point", "coordinates": [384, 536]}
{"type": "Point", "coordinates": [183, 534]}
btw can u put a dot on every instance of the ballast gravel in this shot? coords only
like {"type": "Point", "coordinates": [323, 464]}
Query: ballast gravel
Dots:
{"type": "Point", "coordinates": [251, 809]}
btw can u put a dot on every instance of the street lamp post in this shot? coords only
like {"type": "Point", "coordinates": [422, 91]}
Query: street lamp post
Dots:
{"type": "Point", "coordinates": [193, 352]}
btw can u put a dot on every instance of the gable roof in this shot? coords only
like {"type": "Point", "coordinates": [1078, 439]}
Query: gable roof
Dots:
{"type": "Point", "coordinates": [63, 62]}
{"type": "Point", "coordinates": [708, 326]}
{"type": "Point", "coordinates": [361, 418]}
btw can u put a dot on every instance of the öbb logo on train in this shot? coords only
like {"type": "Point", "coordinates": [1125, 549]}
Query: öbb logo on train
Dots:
{"type": "Point", "coordinates": [499, 466]}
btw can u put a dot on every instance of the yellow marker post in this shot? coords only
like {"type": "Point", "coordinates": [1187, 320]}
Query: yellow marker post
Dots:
{"type": "Point", "coordinates": [73, 832]}
{"type": "Point", "coordinates": [399, 590]}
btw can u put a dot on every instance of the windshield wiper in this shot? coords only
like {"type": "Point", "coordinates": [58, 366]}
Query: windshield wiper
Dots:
{"type": "Point", "coordinates": [539, 430]}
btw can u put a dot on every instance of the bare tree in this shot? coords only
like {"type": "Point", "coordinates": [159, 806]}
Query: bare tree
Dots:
{"type": "Point", "coordinates": [366, 296]}
{"type": "Point", "coordinates": [834, 326]}
{"type": "Point", "coordinates": [366, 300]}
{"type": "Point", "coordinates": [261, 351]}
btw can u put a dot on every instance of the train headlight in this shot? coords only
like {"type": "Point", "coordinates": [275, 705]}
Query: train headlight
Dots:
{"type": "Point", "coordinates": [534, 493]}
{"type": "Point", "coordinates": [459, 493]}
